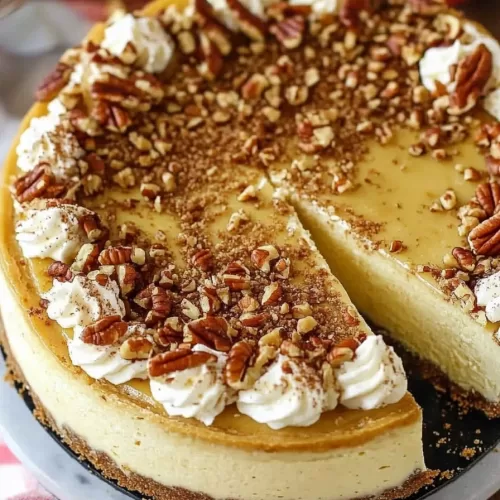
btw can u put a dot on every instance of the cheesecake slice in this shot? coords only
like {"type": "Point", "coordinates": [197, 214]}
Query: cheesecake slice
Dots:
{"type": "Point", "coordinates": [402, 203]}
{"type": "Point", "coordinates": [164, 305]}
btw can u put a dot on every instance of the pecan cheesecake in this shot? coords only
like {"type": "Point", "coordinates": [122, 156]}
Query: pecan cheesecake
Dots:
{"type": "Point", "coordinates": [165, 306]}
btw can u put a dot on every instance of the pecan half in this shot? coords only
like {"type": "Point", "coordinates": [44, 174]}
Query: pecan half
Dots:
{"type": "Point", "coordinates": [203, 259]}
{"type": "Point", "coordinates": [53, 83]}
{"type": "Point", "coordinates": [290, 31]}
{"type": "Point", "coordinates": [472, 76]}
{"type": "Point", "coordinates": [212, 58]}
{"type": "Point", "coordinates": [115, 256]}
{"type": "Point", "coordinates": [211, 331]}
{"type": "Point", "coordinates": [39, 183]}
{"type": "Point", "coordinates": [238, 361]}
{"type": "Point", "coordinates": [106, 331]}
{"type": "Point", "coordinates": [112, 117]}
{"type": "Point", "coordinates": [60, 271]}
{"type": "Point", "coordinates": [488, 196]}
{"type": "Point", "coordinates": [465, 258]}
{"type": "Point", "coordinates": [493, 165]}
{"type": "Point", "coordinates": [161, 302]}
{"type": "Point", "coordinates": [170, 332]}
{"type": "Point", "coordinates": [251, 25]}
{"type": "Point", "coordinates": [484, 239]}
{"type": "Point", "coordinates": [174, 361]}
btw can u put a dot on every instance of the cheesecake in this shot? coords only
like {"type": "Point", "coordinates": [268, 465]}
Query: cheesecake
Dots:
{"type": "Point", "coordinates": [175, 204]}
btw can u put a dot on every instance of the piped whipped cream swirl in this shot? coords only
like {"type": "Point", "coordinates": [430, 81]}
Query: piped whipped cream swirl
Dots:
{"type": "Point", "coordinates": [83, 301]}
{"type": "Point", "coordinates": [145, 37]}
{"type": "Point", "coordinates": [105, 362]}
{"type": "Point", "coordinates": [290, 393]}
{"type": "Point", "coordinates": [46, 140]}
{"type": "Point", "coordinates": [198, 392]}
{"type": "Point", "coordinates": [374, 378]}
{"type": "Point", "coordinates": [52, 232]}
{"type": "Point", "coordinates": [487, 292]}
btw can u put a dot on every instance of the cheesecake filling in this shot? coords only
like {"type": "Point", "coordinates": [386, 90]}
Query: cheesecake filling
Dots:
{"type": "Point", "coordinates": [52, 232]}
{"type": "Point", "coordinates": [141, 41]}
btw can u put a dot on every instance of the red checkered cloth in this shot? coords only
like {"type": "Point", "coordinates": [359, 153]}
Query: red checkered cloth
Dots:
{"type": "Point", "coordinates": [16, 483]}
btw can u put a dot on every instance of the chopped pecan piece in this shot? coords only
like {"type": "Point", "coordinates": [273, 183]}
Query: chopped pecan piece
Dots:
{"type": "Point", "coordinates": [92, 227]}
{"type": "Point", "coordinates": [53, 83]}
{"type": "Point", "coordinates": [170, 332]}
{"type": "Point", "coordinates": [135, 347]}
{"type": "Point", "coordinates": [349, 13]}
{"type": "Point", "coordinates": [211, 331]}
{"type": "Point", "coordinates": [251, 25]}
{"type": "Point", "coordinates": [127, 277]}
{"type": "Point", "coordinates": [290, 31]}
{"type": "Point", "coordinates": [427, 7]}
{"type": "Point", "coordinates": [174, 361]}
{"type": "Point", "coordinates": [106, 331]}
{"type": "Point", "coordinates": [60, 271]}
{"type": "Point", "coordinates": [484, 239]}
{"type": "Point", "coordinates": [488, 196]}
{"type": "Point", "coordinates": [238, 361]}
{"type": "Point", "coordinates": [86, 258]}
{"type": "Point", "coordinates": [472, 76]}
{"type": "Point", "coordinates": [345, 350]}
{"type": "Point", "coordinates": [212, 58]}
{"type": "Point", "coordinates": [465, 258]}
{"type": "Point", "coordinates": [203, 259]}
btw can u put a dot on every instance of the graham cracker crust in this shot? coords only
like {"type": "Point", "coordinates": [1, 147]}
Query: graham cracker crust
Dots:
{"type": "Point", "coordinates": [136, 483]}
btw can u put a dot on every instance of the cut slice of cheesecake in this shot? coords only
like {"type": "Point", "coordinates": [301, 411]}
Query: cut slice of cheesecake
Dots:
{"type": "Point", "coordinates": [408, 221]}
{"type": "Point", "coordinates": [164, 305]}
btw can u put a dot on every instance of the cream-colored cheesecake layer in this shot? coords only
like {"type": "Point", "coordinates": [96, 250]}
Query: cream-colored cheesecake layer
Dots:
{"type": "Point", "coordinates": [136, 439]}
{"type": "Point", "coordinates": [408, 306]}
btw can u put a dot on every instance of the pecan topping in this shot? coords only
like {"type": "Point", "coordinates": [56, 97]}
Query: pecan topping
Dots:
{"type": "Point", "coordinates": [60, 271]}
{"type": "Point", "coordinates": [161, 305]}
{"type": "Point", "coordinates": [170, 332]}
{"type": "Point", "coordinates": [174, 361]}
{"type": "Point", "coordinates": [135, 347]}
{"type": "Point", "coordinates": [427, 7]}
{"type": "Point", "coordinates": [211, 331]}
{"type": "Point", "coordinates": [249, 24]}
{"type": "Point", "coordinates": [202, 260]}
{"type": "Point", "coordinates": [91, 225]}
{"type": "Point", "coordinates": [290, 31]}
{"type": "Point", "coordinates": [106, 331]}
{"type": "Point", "coordinates": [484, 239]}
{"type": "Point", "coordinates": [238, 360]}
{"type": "Point", "coordinates": [213, 60]}
{"type": "Point", "coordinates": [211, 27]}
{"type": "Point", "coordinates": [113, 117]}
{"type": "Point", "coordinates": [39, 183]}
{"type": "Point", "coordinates": [86, 258]}
{"type": "Point", "coordinates": [345, 350]}
{"type": "Point", "coordinates": [349, 13]}
{"type": "Point", "coordinates": [53, 83]}
{"type": "Point", "coordinates": [472, 76]}
{"type": "Point", "coordinates": [127, 277]}
{"type": "Point", "coordinates": [493, 165]}
{"type": "Point", "coordinates": [488, 196]}
{"type": "Point", "coordinates": [465, 258]}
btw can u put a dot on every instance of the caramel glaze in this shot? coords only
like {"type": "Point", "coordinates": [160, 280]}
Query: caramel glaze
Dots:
{"type": "Point", "coordinates": [336, 429]}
